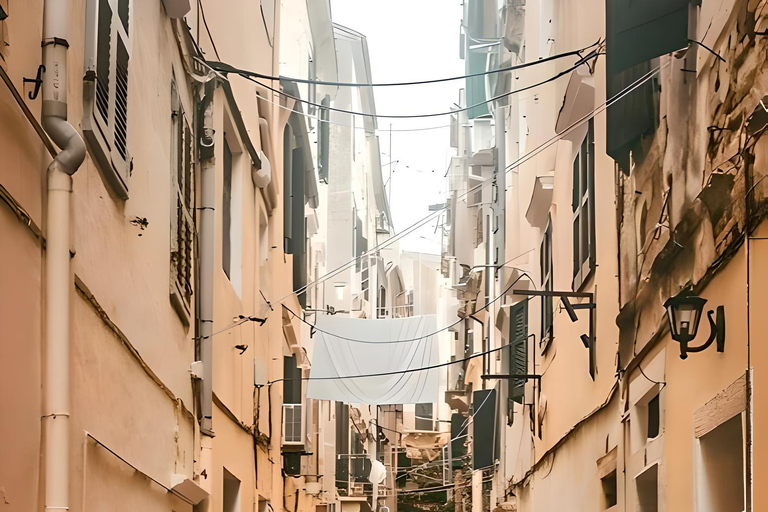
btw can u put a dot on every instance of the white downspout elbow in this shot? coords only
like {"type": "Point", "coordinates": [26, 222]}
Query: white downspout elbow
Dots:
{"type": "Point", "coordinates": [58, 274]}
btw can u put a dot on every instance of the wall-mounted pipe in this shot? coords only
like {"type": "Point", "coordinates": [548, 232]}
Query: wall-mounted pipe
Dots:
{"type": "Point", "coordinates": [207, 227]}
{"type": "Point", "coordinates": [58, 275]}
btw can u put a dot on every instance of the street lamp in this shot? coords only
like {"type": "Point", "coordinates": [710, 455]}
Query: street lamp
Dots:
{"type": "Point", "coordinates": [684, 313]}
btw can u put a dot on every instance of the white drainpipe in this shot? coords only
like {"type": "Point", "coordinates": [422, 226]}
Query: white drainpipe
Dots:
{"type": "Point", "coordinates": [58, 277]}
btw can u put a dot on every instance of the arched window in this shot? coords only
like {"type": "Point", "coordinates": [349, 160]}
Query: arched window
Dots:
{"type": "Point", "coordinates": [382, 309]}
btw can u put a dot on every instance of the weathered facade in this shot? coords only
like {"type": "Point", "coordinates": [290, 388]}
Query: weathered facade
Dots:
{"type": "Point", "coordinates": [634, 176]}
{"type": "Point", "coordinates": [175, 229]}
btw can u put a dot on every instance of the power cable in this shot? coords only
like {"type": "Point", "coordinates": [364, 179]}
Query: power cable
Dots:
{"type": "Point", "coordinates": [385, 342]}
{"type": "Point", "coordinates": [396, 372]}
{"type": "Point", "coordinates": [582, 60]}
{"type": "Point", "coordinates": [223, 67]}
{"type": "Point", "coordinates": [385, 243]}
{"type": "Point", "coordinates": [208, 30]}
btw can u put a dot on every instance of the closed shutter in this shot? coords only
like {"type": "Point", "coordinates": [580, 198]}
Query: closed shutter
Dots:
{"type": "Point", "coordinates": [584, 210]}
{"type": "Point", "coordinates": [103, 56]}
{"type": "Point", "coordinates": [518, 351]}
{"type": "Point", "coordinates": [182, 207]}
{"type": "Point", "coordinates": [121, 99]}
{"type": "Point", "coordinates": [226, 222]}
{"type": "Point", "coordinates": [342, 448]}
{"type": "Point", "coordinates": [107, 53]}
{"type": "Point", "coordinates": [483, 428]}
{"type": "Point", "coordinates": [323, 150]}
{"type": "Point", "coordinates": [459, 427]}
{"type": "Point", "coordinates": [638, 31]}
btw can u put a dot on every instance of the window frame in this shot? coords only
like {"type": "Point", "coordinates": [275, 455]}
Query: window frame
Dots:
{"type": "Point", "coordinates": [583, 207]}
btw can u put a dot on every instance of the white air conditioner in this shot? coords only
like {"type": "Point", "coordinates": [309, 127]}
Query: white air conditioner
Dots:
{"type": "Point", "coordinates": [357, 489]}
{"type": "Point", "coordinates": [293, 424]}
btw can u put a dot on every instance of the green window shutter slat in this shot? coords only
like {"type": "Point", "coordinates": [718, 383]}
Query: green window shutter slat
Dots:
{"type": "Point", "coordinates": [121, 98]}
{"type": "Point", "coordinates": [103, 49]}
{"type": "Point", "coordinates": [518, 351]}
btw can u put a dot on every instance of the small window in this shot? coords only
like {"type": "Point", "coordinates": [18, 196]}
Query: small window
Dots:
{"type": "Point", "coordinates": [584, 210]}
{"type": "Point", "coordinates": [424, 417]}
{"type": "Point", "coordinates": [545, 263]}
{"type": "Point", "coordinates": [647, 486]}
{"type": "Point", "coordinates": [226, 227]}
{"type": "Point", "coordinates": [610, 492]}
{"type": "Point", "coordinates": [105, 90]}
{"type": "Point", "coordinates": [654, 417]}
{"type": "Point", "coordinates": [323, 143]}
{"type": "Point", "coordinates": [231, 492]}
{"type": "Point", "coordinates": [182, 208]}
{"type": "Point", "coordinates": [382, 309]}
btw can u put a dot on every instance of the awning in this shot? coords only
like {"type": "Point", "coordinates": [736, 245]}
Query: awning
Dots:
{"type": "Point", "coordinates": [347, 347]}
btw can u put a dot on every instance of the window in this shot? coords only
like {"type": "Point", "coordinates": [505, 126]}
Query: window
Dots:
{"type": "Point", "coordinates": [323, 143]}
{"type": "Point", "coordinates": [424, 419]}
{"type": "Point", "coordinates": [610, 492]}
{"type": "Point", "coordinates": [720, 477]}
{"type": "Point", "coordinates": [342, 448]}
{"type": "Point", "coordinates": [584, 209]}
{"type": "Point", "coordinates": [654, 417]}
{"type": "Point", "coordinates": [226, 223]}
{"type": "Point", "coordinates": [231, 492]}
{"type": "Point", "coordinates": [647, 486]}
{"type": "Point", "coordinates": [547, 310]}
{"type": "Point", "coordinates": [182, 207]}
{"type": "Point", "coordinates": [518, 355]}
{"type": "Point", "coordinates": [360, 243]}
{"type": "Point", "coordinates": [382, 310]}
{"type": "Point", "coordinates": [105, 90]}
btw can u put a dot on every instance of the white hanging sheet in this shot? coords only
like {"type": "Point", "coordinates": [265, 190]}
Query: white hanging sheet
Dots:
{"type": "Point", "coordinates": [335, 357]}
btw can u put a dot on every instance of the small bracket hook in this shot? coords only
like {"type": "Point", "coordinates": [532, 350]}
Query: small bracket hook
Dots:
{"type": "Point", "coordinates": [38, 81]}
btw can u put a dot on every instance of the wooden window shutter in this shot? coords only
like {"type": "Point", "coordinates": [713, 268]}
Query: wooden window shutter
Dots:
{"type": "Point", "coordinates": [103, 57]}
{"type": "Point", "coordinates": [121, 99]}
{"type": "Point", "coordinates": [182, 204]}
{"type": "Point", "coordinates": [518, 350]}
{"type": "Point", "coordinates": [107, 51]}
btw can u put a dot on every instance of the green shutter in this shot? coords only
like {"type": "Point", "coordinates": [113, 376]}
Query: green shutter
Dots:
{"type": "Point", "coordinates": [518, 350]}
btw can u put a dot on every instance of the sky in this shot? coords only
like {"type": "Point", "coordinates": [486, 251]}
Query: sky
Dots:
{"type": "Point", "coordinates": [424, 44]}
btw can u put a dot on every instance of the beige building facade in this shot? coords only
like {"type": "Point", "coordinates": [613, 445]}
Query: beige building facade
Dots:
{"type": "Point", "coordinates": [173, 225]}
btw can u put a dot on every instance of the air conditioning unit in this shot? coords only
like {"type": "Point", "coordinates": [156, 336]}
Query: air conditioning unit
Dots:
{"type": "Point", "coordinates": [293, 425]}
{"type": "Point", "coordinates": [357, 489]}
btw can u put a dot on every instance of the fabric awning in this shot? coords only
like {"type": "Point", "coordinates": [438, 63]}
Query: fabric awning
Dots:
{"type": "Point", "coordinates": [338, 359]}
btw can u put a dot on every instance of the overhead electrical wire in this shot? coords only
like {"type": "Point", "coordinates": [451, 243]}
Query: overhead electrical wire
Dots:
{"type": "Point", "coordinates": [395, 372]}
{"type": "Point", "coordinates": [583, 60]}
{"type": "Point", "coordinates": [223, 67]}
{"type": "Point", "coordinates": [442, 329]}
{"type": "Point", "coordinates": [413, 227]}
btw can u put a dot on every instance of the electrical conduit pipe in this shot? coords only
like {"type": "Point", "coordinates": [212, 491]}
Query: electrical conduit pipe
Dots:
{"type": "Point", "coordinates": [58, 276]}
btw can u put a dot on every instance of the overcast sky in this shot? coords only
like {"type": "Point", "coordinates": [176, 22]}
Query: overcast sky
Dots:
{"type": "Point", "coordinates": [411, 40]}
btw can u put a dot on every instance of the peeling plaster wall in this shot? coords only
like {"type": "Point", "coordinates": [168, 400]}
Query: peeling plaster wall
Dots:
{"type": "Point", "coordinates": [682, 208]}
